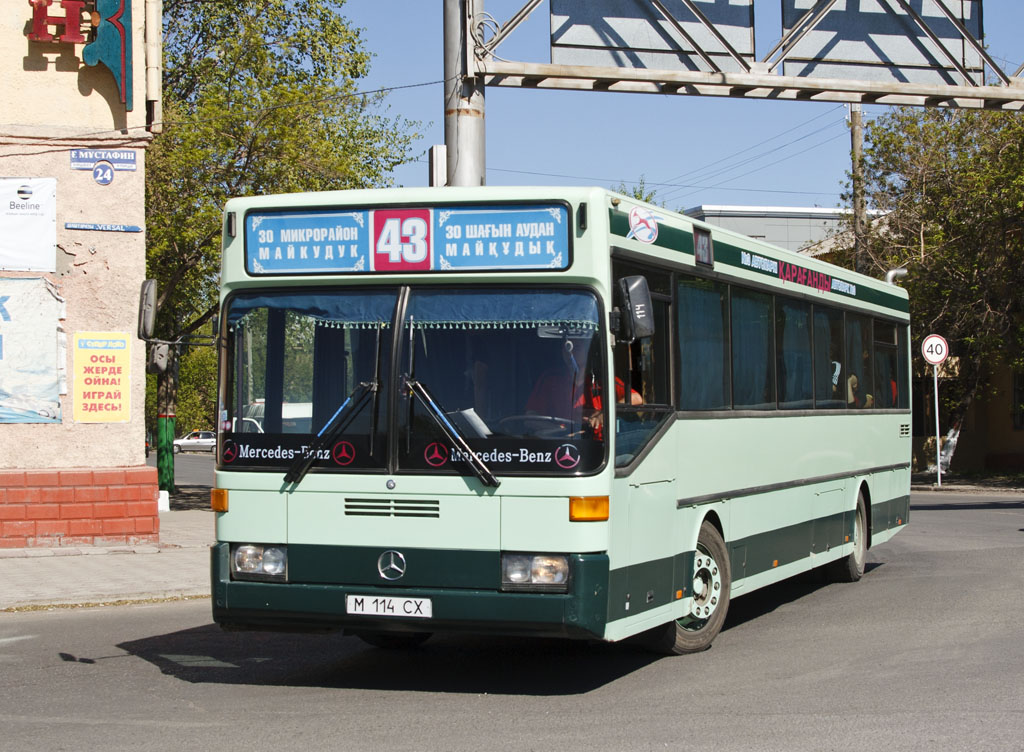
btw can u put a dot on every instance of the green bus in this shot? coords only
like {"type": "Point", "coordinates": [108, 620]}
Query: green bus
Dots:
{"type": "Point", "coordinates": [540, 411]}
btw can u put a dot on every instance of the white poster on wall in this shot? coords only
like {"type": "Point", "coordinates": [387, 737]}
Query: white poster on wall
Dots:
{"type": "Point", "coordinates": [28, 224]}
{"type": "Point", "coordinates": [33, 351]}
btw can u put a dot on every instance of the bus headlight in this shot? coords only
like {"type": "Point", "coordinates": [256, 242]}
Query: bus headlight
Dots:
{"type": "Point", "coordinates": [540, 572]}
{"type": "Point", "coordinates": [259, 562]}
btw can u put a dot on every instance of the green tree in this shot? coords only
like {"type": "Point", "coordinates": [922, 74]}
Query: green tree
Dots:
{"type": "Point", "coordinates": [259, 97]}
{"type": "Point", "coordinates": [197, 393]}
{"type": "Point", "coordinates": [951, 184]}
{"type": "Point", "coordinates": [638, 190]}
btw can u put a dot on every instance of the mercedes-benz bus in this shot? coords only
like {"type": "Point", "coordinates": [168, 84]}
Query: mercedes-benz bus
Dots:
{"type": "Point", "coordinates": [541, 411]}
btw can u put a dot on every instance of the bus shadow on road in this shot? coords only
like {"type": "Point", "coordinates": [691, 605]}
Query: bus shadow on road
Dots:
{"type": "Point", "coordinates": [766, 600]}
{"type": "Point", "coordinates": [446, 663]}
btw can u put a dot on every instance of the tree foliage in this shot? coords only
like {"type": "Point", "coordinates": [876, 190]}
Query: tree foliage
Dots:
{"type": "Point", "coordinates": [197, 398]}
{"type": "Point", "coordinates": [259, 97]}
{"type": "Point", "coordinates": [951, 184]}
{"type": "Point", "coordinates": [639, 191]}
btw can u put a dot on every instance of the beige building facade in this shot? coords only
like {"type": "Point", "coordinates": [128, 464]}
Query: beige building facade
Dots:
{"type": "Point", "coordinates": [75, 112]}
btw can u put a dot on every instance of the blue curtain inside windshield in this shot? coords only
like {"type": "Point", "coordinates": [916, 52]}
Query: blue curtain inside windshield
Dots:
{"type": "Point", "coordinates": [503, 309]}
{"type": "Point", "coordinates": [351, 309]}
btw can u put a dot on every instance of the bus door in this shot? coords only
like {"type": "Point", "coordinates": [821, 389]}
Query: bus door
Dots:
{"type": "Point", "coordinates": [646, 454]}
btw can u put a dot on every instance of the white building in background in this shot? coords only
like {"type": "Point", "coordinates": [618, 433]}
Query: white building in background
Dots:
{"type": "Point", "coordinates": [798, 229]}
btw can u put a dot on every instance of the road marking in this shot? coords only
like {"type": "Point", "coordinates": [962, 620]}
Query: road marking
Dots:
{"type": "Point", "coordinates": [202, 661]}
{"type": "Point", "coordinates": [4, 640]}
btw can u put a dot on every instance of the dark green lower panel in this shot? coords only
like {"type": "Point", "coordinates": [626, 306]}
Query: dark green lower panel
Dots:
{"type": "Point", "coordinates": [321, 605]}
{"type": "Point", "coordinates": [775, 548]}
{"type": "Point", "coordinates": [640, 587]}
{"type": "Point", "coordinates": [889, 514]}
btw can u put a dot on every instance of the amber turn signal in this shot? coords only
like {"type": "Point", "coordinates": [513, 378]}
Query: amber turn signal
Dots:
{"type": "Point", "coordinates": [588, 508]}
{"type": "Point", "coordinates": [219, 499]}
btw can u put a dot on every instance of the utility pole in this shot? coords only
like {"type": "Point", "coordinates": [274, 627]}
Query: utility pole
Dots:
{"type": "Point", "coordinates": [859, 211]}
{"type": "Point", "coordinates": [463, 97]}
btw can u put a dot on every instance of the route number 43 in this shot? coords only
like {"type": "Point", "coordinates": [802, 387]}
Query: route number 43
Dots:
{"type": "Point", "coordinates": [403, 240]}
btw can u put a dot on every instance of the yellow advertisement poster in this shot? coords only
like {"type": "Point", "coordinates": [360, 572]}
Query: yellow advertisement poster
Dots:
{"type": "Point", "coordinates": [102, 377]}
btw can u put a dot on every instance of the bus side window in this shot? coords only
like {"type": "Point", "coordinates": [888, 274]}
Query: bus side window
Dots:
{"type": "Point", "coordinates": [702, 318]}
{"type": "Point", "coordinates": [642, 373]}
{"type": "Point", "coordinates": [887, 383]}
{"type": "Point", "coordinates": [643, 377]}
{"type": "Point", "coordinates": [860, 387]}
{"type": "Point", "coordinates": [830, 377]}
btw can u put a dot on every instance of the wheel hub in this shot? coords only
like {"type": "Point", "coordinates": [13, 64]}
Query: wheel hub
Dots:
{"type": "Point", "coordinates": [707, 586]}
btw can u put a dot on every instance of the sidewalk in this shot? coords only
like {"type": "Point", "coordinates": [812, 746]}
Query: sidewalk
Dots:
{"type": "Point", "coordinates": [993, 483]}
{"type": "Point", "coordinates": [180, 565]}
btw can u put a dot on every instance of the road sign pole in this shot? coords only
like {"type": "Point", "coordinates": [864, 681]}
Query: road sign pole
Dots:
{"type": "Point", "coordinates": [935, 350]}
{"type": "Point", "coordinates": [938, 439]}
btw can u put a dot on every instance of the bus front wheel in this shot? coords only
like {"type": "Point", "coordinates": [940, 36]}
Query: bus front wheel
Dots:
{"type": "Point", "coordinates": [696, 630]}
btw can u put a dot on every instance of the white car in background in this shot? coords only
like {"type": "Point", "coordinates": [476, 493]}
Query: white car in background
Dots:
{"type": "Point", "coordinates": [197, 441]}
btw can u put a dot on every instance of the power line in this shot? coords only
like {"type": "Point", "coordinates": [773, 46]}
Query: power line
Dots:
{"type": "Point", "coordinates": [763, 167]}
{"type": "Point", "coordinates": [590, 179]}
{"type": "Point", "coordinates": [726, 170]}
{"type": "Point", "coordinates": [250, 113]}
{"type": "Point", "coordinates": [788, 131]}
{"type": "Point", "coordinates": [724, 166]}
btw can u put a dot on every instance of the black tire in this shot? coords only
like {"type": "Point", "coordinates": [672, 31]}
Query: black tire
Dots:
{"type": "Point", "coordinates": [695, 633]}
{"type": "Point", "coordinates": [394, 640]}
{"type": "Point", "coordinates": [851, 568]}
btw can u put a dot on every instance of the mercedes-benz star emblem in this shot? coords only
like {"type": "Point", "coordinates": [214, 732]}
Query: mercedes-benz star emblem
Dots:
{"type": "Point", "coordinates": [391, 565]}
{"type": "Point", "coordinates": [567, 456]}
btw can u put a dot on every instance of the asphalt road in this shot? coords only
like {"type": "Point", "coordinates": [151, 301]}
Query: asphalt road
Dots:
{"type": "Point", "coordinates": [923, 654]}
{"type": "Point", "coordinates": [190, 468]}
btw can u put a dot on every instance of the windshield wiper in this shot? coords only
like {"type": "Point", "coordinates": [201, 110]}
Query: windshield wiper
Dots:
{"type": "Point", "coordinates": [477, 465]}
{"type": "Point", "coordinates": [341, 419]}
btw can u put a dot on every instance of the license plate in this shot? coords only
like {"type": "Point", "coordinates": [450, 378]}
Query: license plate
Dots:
{"type": "Point", "coordinates": [372, 605]}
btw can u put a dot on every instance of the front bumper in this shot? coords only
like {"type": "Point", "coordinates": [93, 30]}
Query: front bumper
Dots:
{"type": "Point", "coordinates": [471, 603]}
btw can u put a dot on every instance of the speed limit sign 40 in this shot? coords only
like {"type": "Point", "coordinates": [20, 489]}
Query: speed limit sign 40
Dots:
{"type": "Point", "coordinates": [935, 349]}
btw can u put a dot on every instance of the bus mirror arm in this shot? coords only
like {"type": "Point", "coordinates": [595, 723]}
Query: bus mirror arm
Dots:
{"type": "Point", "coordinates": [615, 323]}
{"type": "Point", "coordinates": [477, 465]}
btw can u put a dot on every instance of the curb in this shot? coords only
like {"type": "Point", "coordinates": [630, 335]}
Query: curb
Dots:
{"type": "Point", "coordinates": [128, 599]}
{"type": "Point", "coordinates": [49, 553]}
{"type": "Point", "coordinates": [964, 488]}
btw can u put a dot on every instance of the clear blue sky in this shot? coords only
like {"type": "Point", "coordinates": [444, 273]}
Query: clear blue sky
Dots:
{"type": "Point", "coordinates": [691, 150]}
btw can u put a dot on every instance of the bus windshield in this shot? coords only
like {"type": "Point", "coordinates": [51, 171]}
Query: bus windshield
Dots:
{"type": "Point", "coordinates": [515, 374]}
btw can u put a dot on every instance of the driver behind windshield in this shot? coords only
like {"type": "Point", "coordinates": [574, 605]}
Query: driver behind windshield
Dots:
{"type": "Point", "coordinates": [566, 390]}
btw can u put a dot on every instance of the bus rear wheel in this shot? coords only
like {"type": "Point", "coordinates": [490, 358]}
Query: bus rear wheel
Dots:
{"type": "Point", "coordinates": [695, 631]}
{"type": "Point", "coordinates": [851, 568]}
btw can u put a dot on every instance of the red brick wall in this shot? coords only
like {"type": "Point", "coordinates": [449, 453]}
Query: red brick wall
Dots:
{"type": "Point", "coordinates": [78, 507]}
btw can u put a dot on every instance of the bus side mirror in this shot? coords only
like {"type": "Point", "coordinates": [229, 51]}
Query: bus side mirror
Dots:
{"type": "Point", "coordinates": [637, 319]}
{"type": "Point", "coordinates": [147, 310]}
{"type": "Point", "coordinates": [158, 357]}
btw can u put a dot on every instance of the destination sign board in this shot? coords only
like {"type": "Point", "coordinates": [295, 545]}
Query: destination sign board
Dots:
{"type": "Point", "coordinates": [402, 239]}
